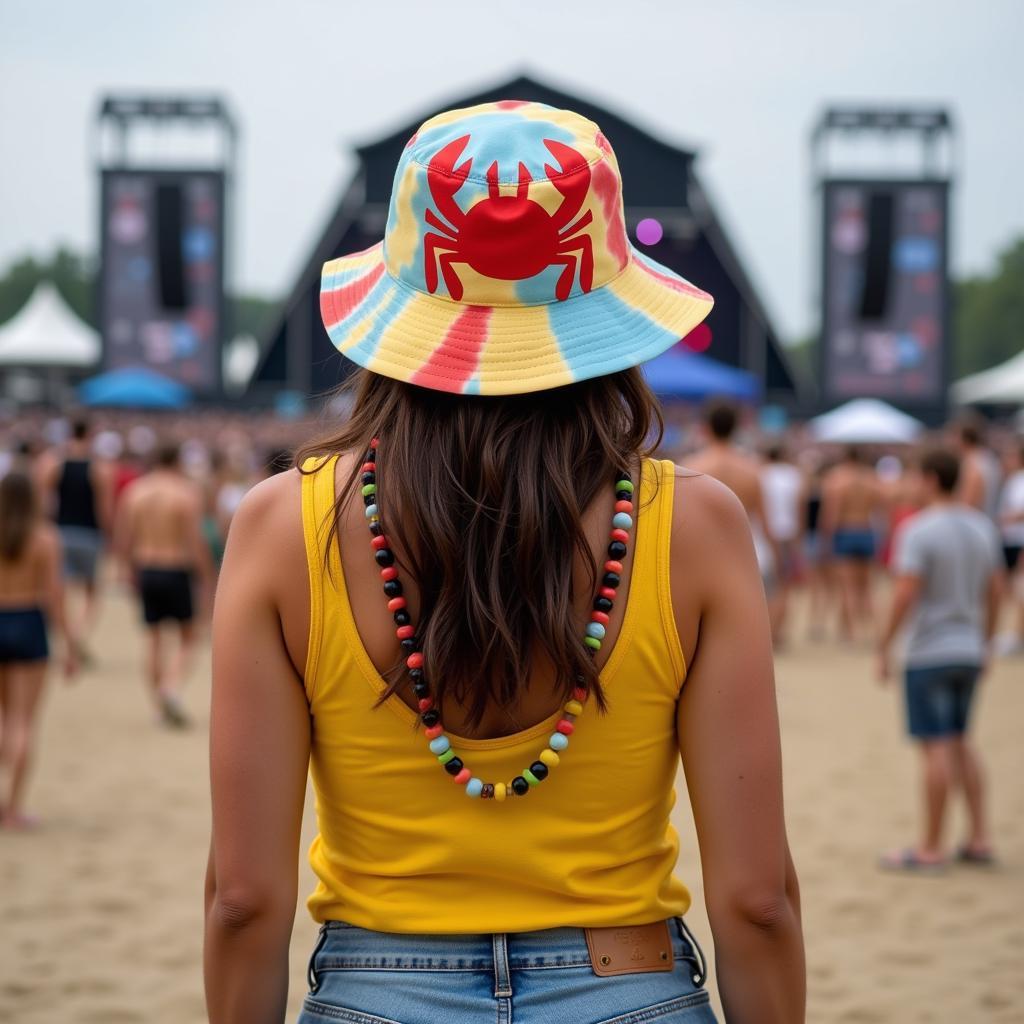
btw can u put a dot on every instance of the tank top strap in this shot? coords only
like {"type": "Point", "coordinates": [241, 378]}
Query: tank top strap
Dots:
{"type": "Point", "coordinates": [323, 561]}
{"type": "Point", "coordinates": [651, 584]}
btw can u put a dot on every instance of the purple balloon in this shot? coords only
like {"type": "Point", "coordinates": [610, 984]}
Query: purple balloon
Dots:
{"type": "Point", "coordinates": [649, 231]}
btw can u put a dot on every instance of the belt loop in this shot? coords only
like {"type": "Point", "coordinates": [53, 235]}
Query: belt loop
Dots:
{"type": "Point", "coordinates": [702, 967]}
{"type": "Point", "coordinates": [502, 974]}
{"type": "Point", "coordinates": [314, 981]}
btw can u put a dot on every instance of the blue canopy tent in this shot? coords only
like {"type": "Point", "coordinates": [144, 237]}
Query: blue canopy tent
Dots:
{"type": "Point", "coordinates": [134, 387]}
{"type": "Point", "coordinates": [680, 374]}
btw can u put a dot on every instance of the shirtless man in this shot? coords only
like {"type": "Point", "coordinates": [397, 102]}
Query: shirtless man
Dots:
{"type": "Point", "coordinates": [851, 499]}
{"type": "Point", "coordinates": [721, 459]}
{"type": "Point", "coordinates": [160, 543]}
{"type": "Point", "coordinates": [980, 475]}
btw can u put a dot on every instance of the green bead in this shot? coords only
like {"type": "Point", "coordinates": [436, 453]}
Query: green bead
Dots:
{"type": "Point", "coordinates": [592, 641]}
{"type": "Point", "coordinates": [446, 756]}
{"type": "Point", "coordinates": [530, 777]}
{"type": "Point", "coordinates": [624, 485]}
{"type": "Point", "coordinates": [369, 489]}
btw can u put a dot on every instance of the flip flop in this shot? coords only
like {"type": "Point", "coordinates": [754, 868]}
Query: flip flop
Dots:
{"type": "Point", "coordinates": [977, 858]}
{"type": "Point", "coordinates": [909, 861]}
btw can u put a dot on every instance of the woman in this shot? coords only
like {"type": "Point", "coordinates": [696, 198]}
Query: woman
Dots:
{"type": "Point", "coordinates": [31, 590]}
{"type": "Point", "coordinates": [499, 426]}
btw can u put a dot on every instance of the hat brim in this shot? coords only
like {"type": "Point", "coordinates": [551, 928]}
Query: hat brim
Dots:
{"type": "Point", "coordinates": [388, 327]}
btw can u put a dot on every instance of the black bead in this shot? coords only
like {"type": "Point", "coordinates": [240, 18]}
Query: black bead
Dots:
{"type": "Point", "coordinates": [393, 588]}
{"type": "Point", "coordinates": [402, 617]}
{"type": "Point", "coordinates": [602, 604]}
{"type": "Point", "coordinates": [369, 478]}
{"type": "Point", "coordinates": [421, 689]}
{"type": "Point", "coordinates": [617, 550]}
{"type": "Point", "coordinates": [384, 556]}
{"type": "Point", "coordinates": [376, 529]}
{"type": "Point", "coordinates": [416, 674]}
{"type": "Point", "coordinates": [409, 645]}
{"type": "Point", "coordinates": [454, 766]}
{"type": "Point", "coordinates": [371, 456]}
{"type": "Point", "coordinates": [539, 769]}
{"type": "Point", "coordinates": [519, 785]}
{"type": "Point", "coordinates": [611, 579]}
{"type": "Point", "coordinates": [369, 499]}
{"type": "Point", "coordinates": [431, 717]}
{"type": "Point", "coordinates": [623, 495]}
{"type": "Point", "coordinates": [622, 474]}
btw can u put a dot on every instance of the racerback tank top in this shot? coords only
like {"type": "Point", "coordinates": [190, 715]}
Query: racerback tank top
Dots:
{"type": "Point", "coordinates": [402, 849]}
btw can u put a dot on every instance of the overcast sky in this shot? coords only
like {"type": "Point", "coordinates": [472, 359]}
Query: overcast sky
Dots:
{"type": "Point", "coordinates": [740, 82]}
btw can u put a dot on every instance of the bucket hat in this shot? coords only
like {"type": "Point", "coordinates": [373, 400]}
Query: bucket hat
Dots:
{"type": "Point", "coordinates": [505, 266]}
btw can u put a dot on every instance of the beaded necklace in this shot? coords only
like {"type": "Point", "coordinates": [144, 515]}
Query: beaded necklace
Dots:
{"type": "Point", "coordinates": [430, 717]}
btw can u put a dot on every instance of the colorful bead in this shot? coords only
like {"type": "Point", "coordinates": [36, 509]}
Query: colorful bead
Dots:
{"type": "Point", "coordinates": [447, 756]}
{"type": "Point", "coordinates": [463, 777]}
{"type": "Point", "coordinates": [613, 566]}
{"type": "Point", "coordinates": [379, 542]}
{"type": "Point", "coordinates": [617, 550]}
{"type": "Point", "coordinates": [595, 630]}
{"type": "Point", "coordinates": [368, 467]}
{"type": "Point", "coordinates": [439, 744]}
{"type": "Point", "coordinates": [603, 604]}
{"type": "Point", "coordinates": [539, 770]}
{"type": "Point", "coordinates": [592, 642]}
{"type": "Point", "coordinates": [487, 793]}
{"type": "Point", "coordinates": [607, 592]}
{"type": "Point", "coordinates": [624, 485]}
{"type": "Point", "coordinates": [623, 506]}
{"type": "Point", "coordinates": [393, 588]}
{"type": "Point", "coordinates": [414, 660]}
{"type": "Point", "coordinates": [404, 632]}
{"type": "Point", "coordinates": [565, 727]}
{"type": "Point", "coordinates": [579, 694]}
{"type": "Point", "coordinates": [393, 605]}
{"type": "Point", "coordinates": [610, 579]}
{"type": "Point", "coordinates": [434, 731]}
{"type": "Point", "coordinates": [426, 703]}
{"type": "Point", "coordinates": [601, 617]}
{"type": "Point", "coordinates": [369, 478]}
{"type": "Point", "coordinates": [431, 717]}
{"type": "Point", "coordinates": [474, 787]}
{"type": "Point", "coordinates": [375, 442]}
{"type": "Point", "coordinates": [389, 572]}
{"type": "Point", "coordinates": [384, 556]}
{"type": "Point", "coordinates": [454, 766]}
{"type": "Point", "coordinates": [520, 786]}
{"type": "Point", "coordinates": [558, 741]}
{"type": "Point", "coordinates": [370, 511]}
{"type": "Point", "coordinates": [530, 777]}
{"type": "Point", "coordinates": [499, 791]}
{"type": "Point", "coordinates": [620, 535]}
{"type": "Point", "coordinates": [623, 520]}
{"type": "Point", "coordinates": [550, 758]}
{"type": "Point", "coordinates": [574, 707]}
{"type": "Point", "coordinates": [369, 489]}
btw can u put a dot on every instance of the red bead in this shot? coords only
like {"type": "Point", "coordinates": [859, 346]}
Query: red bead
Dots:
{"type": "Point", "coordinates": [375, 442]}
{"type": "Point", "coordinates": [565, 727]}
{"type": "Point", "coordinates": [622, 535]}
{"type": "Point", "coordinates": [612, 566]}
{"type": "Point", "coordinates": [434, 731]}
{"type": "Point", "coordinates": [368, 467]}
{"type": "Point", "coordinates": [579, 693]}
{"type": "Point", "coordinates": [404, 632]}
{"type": "Point", "coordinates": [463, 777]}
{"type": "Point", "coordinates": [623, 506]}
{"type": "Point", "coordinates": [395, 603]}
{"type": "Point", "coordinates": [608, 592]}
{"type": "Point", "coordinates": [390, 573]}
{"type": "Point", "coordinates": [379, 542]}
{"type": "Point", "coordinates": [601, 617]}
{"type": "Point", "coordinates": [426, 703]}
{"type": "Point", "coordinates": [415, 660]}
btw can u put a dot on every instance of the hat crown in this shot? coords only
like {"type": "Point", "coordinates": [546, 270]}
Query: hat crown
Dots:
{"type": "Point", "coordinates": [506, 204]}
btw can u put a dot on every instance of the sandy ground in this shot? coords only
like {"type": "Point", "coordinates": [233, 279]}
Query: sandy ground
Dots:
{"type": "Point", "coordinates": [101, 909]}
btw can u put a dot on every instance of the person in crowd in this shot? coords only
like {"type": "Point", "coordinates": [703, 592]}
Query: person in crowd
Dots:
{"type": "Point", "coordinates": [81, 490]}
{"type": "Point", "coordinates": [723, 460]}
{"type": "Point", "coordinates": [948, 567]}
{"type": "Point", "coordinates": [495, 738]}
{"type": "Point", "coordinates": [31, 595]}
{"type": "Point", "coordinates": [1011, 524]}
{"type": "Point", "coordinates": [783, 489]}
{"type": "Point", "coordinates": [816, 557]}
{"type": "Point", "coordinates": [980, 475]}
{"type": "Point", "coordinates": [165, 557]}
{"type": "Point", "coordinates": [851, 502]}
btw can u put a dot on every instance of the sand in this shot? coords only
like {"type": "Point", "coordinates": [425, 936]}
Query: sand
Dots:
{"type": "Point", "coordinates": [101, 909]}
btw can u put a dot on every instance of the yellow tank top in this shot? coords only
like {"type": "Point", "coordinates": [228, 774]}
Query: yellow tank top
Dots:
{"type": "Point", "coordinates": [402, 849]}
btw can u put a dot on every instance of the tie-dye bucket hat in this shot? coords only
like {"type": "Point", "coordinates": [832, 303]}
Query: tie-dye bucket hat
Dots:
{"type": "Point", "coordinates": [505, 266]}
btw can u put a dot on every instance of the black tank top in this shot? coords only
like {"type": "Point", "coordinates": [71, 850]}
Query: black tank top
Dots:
{"type": "Point", "coordinates": [76, 499]}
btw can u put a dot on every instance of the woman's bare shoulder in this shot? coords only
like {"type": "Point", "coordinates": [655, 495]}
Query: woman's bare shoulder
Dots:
{"type": "Point", "coordinates": [270, 514]}
{"type": "Point", "coordinates": [704, 506]}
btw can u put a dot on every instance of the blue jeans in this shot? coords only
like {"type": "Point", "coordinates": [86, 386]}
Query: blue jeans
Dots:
{"type": "Point", "coordinates": [939, 700]}
{"type": "Point", "coordinates": [368, 977]}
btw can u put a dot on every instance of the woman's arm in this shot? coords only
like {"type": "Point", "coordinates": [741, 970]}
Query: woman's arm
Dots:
{"type": "Point", "coordinates": [259, 754]}
{"type": "Point", "coordinates": [729, 740]}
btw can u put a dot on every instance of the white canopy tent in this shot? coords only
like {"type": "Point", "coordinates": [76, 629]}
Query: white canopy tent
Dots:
{"type": "Point", "coordinates": [46, 333]}
{"type": "Point", "coordinates": [1002, 385]}
{"type": "Point", "coordinates": [866, 421]}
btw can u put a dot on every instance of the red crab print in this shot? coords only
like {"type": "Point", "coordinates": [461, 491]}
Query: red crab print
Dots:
{"type": "Point", "coordinates": [508, 238]}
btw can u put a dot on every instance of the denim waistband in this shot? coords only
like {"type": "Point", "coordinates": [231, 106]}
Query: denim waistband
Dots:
{"type": "Point", "coordinates": [343, 946]}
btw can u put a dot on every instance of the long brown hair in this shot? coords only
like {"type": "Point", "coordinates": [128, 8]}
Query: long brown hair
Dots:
{"type": "Point", "coordinates": [486, 496]}
{"type": "Point", "coordinates": [17, 513]}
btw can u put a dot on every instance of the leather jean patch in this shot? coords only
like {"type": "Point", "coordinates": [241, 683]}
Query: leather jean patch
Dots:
{"type": "Point", "coordinates": [630, 949]}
